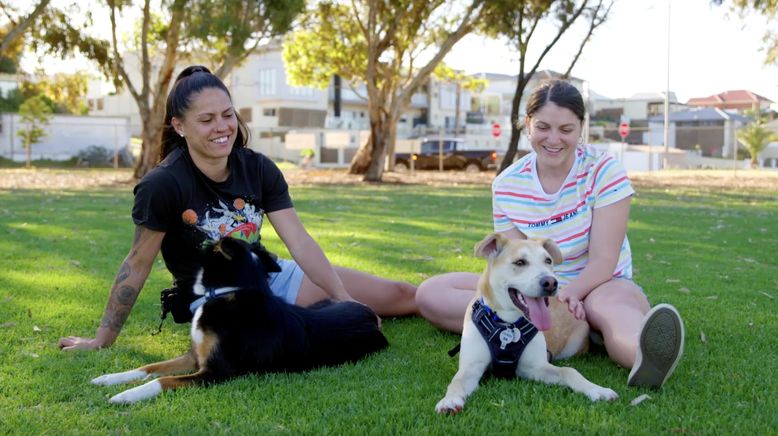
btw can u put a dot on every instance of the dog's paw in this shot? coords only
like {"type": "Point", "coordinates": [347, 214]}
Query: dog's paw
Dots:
{"type": "Point", "coordinates": [118, 378]}
{"type": "Point", "coordinates": [600, 393]}
{"type": "Point", "coordinates": [142, 392]}
{"type": "Point", "coordinates": [450, 405]}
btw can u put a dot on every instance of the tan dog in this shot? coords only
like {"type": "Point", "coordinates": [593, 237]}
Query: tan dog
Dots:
{"type": "Point", "coordinates": [513, 290]}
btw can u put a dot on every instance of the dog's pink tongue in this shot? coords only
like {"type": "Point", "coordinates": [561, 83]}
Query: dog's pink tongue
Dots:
{"type": "Point", "coordinates": [538, 312]}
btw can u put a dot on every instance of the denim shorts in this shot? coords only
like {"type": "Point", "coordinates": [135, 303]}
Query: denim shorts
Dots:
{"type": "Point", "coordinates": [286, 283]}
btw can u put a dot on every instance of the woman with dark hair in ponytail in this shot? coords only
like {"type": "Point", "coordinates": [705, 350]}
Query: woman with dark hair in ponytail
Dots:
{"type": "Point", "coordinates": [209, 185]}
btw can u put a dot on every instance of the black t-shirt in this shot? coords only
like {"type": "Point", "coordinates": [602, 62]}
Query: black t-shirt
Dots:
{"type": "Point", "coordinates": [178, 199]}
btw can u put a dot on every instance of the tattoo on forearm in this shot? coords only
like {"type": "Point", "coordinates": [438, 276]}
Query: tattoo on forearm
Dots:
{"type": "Point", "coordinates": [124, 272]}
{"type": "Point", "coordinates": [119, 305]}
{"type": "Point", "coordinates": [125, 295]}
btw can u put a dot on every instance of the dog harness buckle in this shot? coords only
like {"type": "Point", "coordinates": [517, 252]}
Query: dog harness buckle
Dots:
{"type": "Point", "coordinates": [210, 294]}
{"type": "Point", "coordinates": [506, 341]}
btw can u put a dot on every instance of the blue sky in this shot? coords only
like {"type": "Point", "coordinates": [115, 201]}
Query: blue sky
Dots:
{"type": "Point", "coordinates": [711, 51]}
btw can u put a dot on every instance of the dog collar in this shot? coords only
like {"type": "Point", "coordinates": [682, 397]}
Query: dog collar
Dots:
{"type": "Point", "coordinates": [210, 294]}
{"type": "Point", "coordinates": [506, 340]}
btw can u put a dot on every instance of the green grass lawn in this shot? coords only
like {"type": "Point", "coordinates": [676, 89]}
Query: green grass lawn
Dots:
{"type": "Point", "coordinates": [711, 254]}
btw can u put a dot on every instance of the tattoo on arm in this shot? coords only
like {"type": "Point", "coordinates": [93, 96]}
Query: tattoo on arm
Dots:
{"type": "Point", "coordinates": [125, 289]}
{"type": "Point", "coordinates": [124, 272]}
{"type": "Point", "coordinates": [119, 305]}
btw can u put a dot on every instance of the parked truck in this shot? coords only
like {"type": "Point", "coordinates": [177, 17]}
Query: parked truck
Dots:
{"type": "Point", "coordinates": [454, 153]}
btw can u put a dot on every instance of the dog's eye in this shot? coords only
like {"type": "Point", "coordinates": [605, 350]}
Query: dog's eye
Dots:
{"type": "Point", "coordinates": [549, 261]}
{"type": "Point", "coordinates": [520, 262]}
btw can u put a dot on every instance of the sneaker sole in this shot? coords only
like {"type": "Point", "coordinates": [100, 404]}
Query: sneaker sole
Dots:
{"type": "Point", "coordinates": [660, 347]}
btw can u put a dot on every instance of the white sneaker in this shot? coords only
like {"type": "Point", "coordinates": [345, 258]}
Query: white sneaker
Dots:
{"type": "Point", "coordinates": [660, 347]}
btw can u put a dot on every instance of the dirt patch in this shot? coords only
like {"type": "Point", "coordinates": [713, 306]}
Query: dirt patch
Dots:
{"type": "Point", "coordinates": [58, 179]}
{"type": "Point", "coordinates": [724, 180]}
{"type": "Point", "coordinates": [702, 179]}
{"type": "Point", "coordinates": [431, 178]}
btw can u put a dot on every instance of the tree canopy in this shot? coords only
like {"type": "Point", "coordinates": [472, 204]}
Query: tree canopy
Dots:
{"type": "Point", "coordinates": [755, 137]}
{"type": "Point", "coordinates": [35, 115]}
{"type": "Point", "coordinates": [388, 47]}
{"type": "Point", "coordinates": [57, 31]}
{"type": "Point", "coordinates": [518, 22]}
{"type": "Point", "coordinates": [220, 34]}
{"type": "Point", "coordinates": [767, 8]}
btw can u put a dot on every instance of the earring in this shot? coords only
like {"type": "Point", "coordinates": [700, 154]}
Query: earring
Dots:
{"type": "Point", "coordinates": [580, 140]}
{"type": "Point", "coordinates": [180, 133]}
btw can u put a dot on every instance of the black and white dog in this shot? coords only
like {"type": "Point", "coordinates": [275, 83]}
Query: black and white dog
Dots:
{"type": "Point", "coordinates": [243, 328]}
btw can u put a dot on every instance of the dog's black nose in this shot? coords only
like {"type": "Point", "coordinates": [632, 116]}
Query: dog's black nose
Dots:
{"type": "Point", "coordinates": [548, 284]}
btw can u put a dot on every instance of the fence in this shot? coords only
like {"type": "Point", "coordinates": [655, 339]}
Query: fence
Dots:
{"type": "Point", "coordinates": [66, 136]}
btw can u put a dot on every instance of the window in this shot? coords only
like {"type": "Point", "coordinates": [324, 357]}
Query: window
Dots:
{"type": "Point", "coordinates": [432, 146]}
{"type": "Point", "coordinates": [269, 112]}
{"type": "Point", "coordinates": [301, 91]}
{"type": "Point", "coordinates": [267, 82]}
{"type": "Point", "coordinates": [448, 97]}
{"type": "Point", "coordinates": [245, 114]}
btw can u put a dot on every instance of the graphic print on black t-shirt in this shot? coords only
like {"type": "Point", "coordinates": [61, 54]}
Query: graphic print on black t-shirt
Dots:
{"type": "Point", "coordinates": [242, 221]}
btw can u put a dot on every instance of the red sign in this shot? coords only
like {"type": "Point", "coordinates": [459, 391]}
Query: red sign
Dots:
{"type": "Point", "coordinates": [496, 131]}
{"type": "Point", "coordinates": [624, 130]}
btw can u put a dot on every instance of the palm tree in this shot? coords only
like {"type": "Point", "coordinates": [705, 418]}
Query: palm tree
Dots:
{"type": "Point", "coordinates": [755, 137]}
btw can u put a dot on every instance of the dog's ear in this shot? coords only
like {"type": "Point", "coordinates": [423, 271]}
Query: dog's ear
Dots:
{"type": "Point", "coordinates": [491, 245]}
{"type": "Point", "coordinates": [553, 249]}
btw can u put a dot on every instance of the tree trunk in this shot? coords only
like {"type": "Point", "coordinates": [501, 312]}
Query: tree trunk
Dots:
{"type": "Point", "coordinates": [370, 160]}
{"type": "Point", "coordinates": [361, 160]}
{"type": "Point", "coordinates": [375, 171]}
{"type": "Point", "coordinates": [364, 162]}
{"type": "Point", "coordinates": [29, 154]}
{"type": "Point", "coordinates": [152, 142]}
{"type": "Point", "coordinates": [517, 125]}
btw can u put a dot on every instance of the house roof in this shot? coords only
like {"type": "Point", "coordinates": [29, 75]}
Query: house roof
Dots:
{"type": "Point", "coordinates": [539, 75]}
{"type": "Point", "coordinates": [740, 96]}
{"type": "Point", "coordinates": [494, 76]}
{"type": "Point", "coordinates": [641, 96]}
{"type": "Point", "coordinates": [703, 114]}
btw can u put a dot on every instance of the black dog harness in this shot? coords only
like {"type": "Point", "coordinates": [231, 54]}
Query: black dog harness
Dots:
{"type": "Point", "coordinates": [506, 341]}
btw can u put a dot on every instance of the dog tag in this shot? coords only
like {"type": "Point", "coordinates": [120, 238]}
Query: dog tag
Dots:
{"type": "Point", "coordinates": [509, 336]}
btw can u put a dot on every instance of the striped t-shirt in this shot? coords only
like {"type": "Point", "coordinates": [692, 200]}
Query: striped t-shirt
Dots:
{"type": "Point", "coordinates": [595, 180]}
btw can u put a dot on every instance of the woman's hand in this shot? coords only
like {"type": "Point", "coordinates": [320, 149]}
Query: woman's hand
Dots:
{"type": "Point", "coordinates": [71, 343]}
{"type": "Point", "coordinates": [574, 305]}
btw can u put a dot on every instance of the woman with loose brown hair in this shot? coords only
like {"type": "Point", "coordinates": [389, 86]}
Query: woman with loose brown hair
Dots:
{"type": "Point", "coordinates": [568, 191]}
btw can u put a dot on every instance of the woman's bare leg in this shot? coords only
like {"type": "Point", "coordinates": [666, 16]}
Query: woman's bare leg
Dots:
{"type": "Point", "coordinates": [443, 299]}
{"type": "Point", "coordinates": [616, 309]}
{"type": "Point", "coordinates": [385, 297]}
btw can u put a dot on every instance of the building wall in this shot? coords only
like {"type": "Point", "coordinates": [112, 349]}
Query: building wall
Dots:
{"type": "Point", "coordinates": [66, 136]}
{"type": "Point", "coordinates": [709, 136]}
